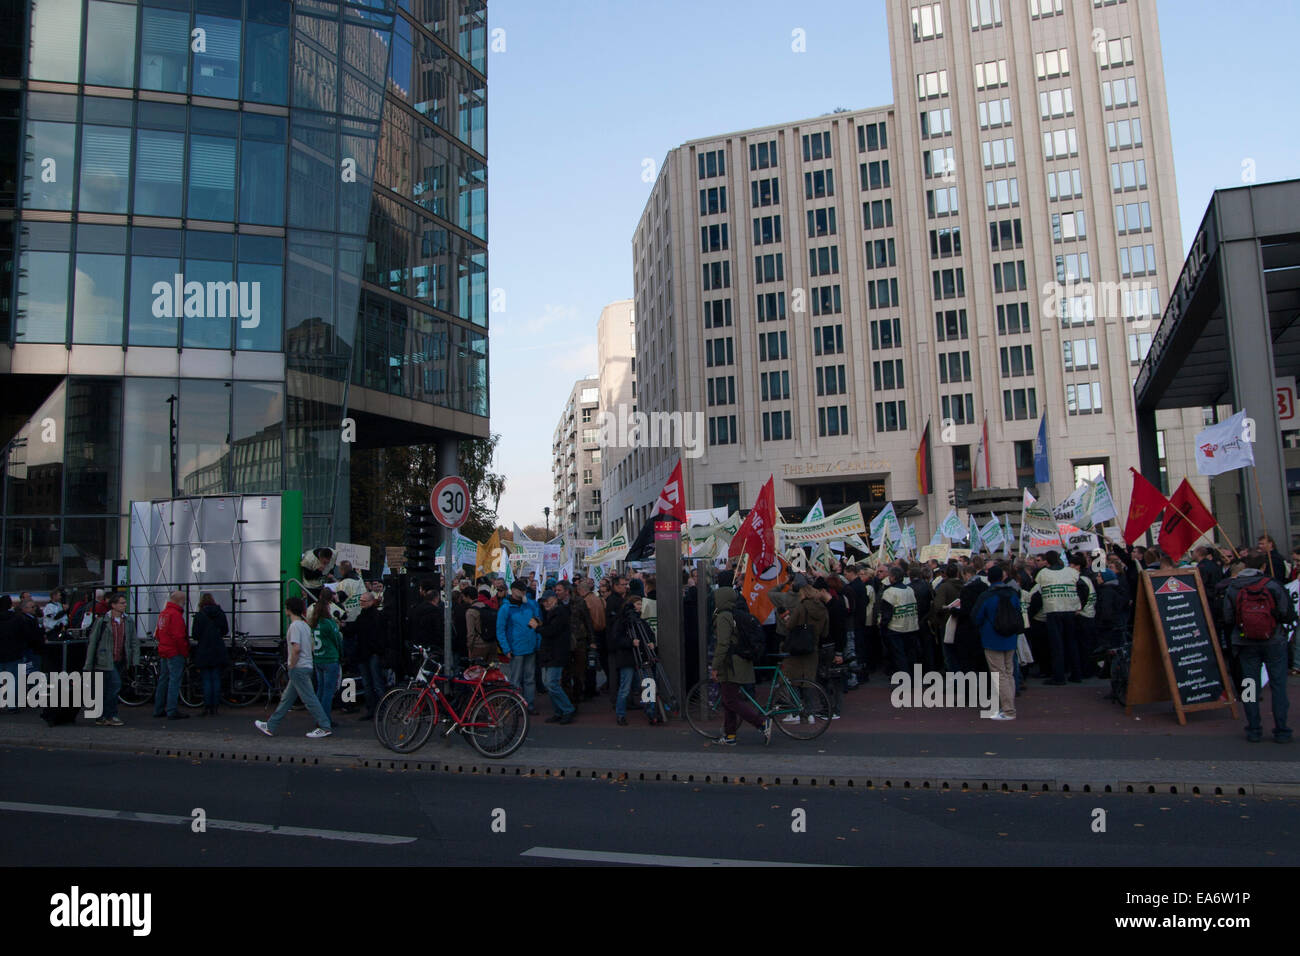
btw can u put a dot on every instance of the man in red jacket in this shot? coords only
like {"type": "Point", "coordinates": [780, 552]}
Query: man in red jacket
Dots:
{"type": "Point", "coordinates": [173, 650]}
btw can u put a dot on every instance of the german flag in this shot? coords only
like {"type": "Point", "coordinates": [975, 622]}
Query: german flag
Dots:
{"type": "Point", "coordinates": [924, 479]}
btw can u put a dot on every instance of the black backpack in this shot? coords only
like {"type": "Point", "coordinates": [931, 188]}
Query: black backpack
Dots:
{"type": "Point", "coordinates": [751, 642]}
{"type": "Point", "coordinates": [1007, 621]}
{"type": "Point", "coordinates": [487, 616]}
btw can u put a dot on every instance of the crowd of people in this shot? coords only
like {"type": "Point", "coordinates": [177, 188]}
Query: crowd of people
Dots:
{"type": "Point", "coordinates": [1059, 618]}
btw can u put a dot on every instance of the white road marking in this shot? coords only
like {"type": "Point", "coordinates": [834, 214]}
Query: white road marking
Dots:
{"type": "Point", "coordinates": [132, 816]}
{"type": "Point", "coordinates": [645, 859]}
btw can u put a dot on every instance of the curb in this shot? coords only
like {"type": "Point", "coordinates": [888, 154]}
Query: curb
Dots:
{"type": "Point", "coordinates": [559, 769]}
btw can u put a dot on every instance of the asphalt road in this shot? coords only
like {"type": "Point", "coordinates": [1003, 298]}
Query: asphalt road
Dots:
{"type": "Point", "coordinates": [267, 815]}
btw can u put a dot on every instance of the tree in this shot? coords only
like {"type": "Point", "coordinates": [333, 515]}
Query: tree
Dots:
{"type": "Point", "coordinates": [386, 481]}
{"type": "Point", "coordinates": [537, 532]}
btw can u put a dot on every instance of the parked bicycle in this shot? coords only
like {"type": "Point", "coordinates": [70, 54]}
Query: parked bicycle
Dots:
{"type": "Point", "coordinates": [798, 708]}
{"type": "Point", "coordinates": [481, 704]}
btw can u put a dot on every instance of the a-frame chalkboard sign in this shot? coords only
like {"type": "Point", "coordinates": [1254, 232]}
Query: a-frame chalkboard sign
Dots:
{"type": "Point", "coordinates": [1176, 652]}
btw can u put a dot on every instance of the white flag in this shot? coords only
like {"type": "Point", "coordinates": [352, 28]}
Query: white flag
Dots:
{"type": "Point", "coordinates": [886, 519]}
{"type": "Point", "coordinates": [991, 534]}
{"type": "Point", "coordinates": [815, 513]}
{"type": "Point", "coordinates": [952, 527]}
{"type": "Point", "coordinates": [1225, 446]}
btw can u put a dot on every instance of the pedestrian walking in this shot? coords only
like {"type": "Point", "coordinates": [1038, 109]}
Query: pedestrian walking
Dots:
{"type": "Point", "coordinates": [732, 672]}
{"type": "Point", "coordinates": [326, 649]}
{"type": "Point", "coordinates": [300, 675]}
{"type": "Point", "coordinates": [999, 645]}
{"type": "Point", "coordinates": [1256, 609]}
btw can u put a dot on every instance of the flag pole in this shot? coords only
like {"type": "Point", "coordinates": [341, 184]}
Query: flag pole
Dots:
{"type": "Point", "coordinates": [1204, 534]}
{"type": "Point", "coordinates": [1259, 498]}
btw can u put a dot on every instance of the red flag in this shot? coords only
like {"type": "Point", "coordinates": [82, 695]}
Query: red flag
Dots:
{"type": "Point", "coordinates": [1144, 507]}
{"type": "Point", "coordinates": [924, 481]}
{"type": "Point", "coordinates": [757, 534]}
{"type": "Point", "coordinates": [672, 500]}
{"type": "Point", "coordinates": [1186, 519]}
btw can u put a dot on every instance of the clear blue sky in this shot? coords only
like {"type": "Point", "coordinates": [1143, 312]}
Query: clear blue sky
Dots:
{"type": "Point", "coordinates": [584, 91]}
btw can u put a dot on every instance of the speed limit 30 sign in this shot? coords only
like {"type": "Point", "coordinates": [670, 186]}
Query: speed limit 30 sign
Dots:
{"type": "Point", "coordinates": [450, 502]}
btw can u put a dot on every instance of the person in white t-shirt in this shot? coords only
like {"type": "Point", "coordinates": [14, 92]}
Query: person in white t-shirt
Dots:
{"type": "Point", "coordinates": [300, 675]}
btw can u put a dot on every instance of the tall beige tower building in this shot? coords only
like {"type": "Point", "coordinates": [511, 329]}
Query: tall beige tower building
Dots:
{"type": "Point", "coordinates": [996, 245]}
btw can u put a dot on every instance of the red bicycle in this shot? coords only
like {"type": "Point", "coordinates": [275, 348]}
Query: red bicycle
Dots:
{"type": "Point", "coordinates": [493, 717]}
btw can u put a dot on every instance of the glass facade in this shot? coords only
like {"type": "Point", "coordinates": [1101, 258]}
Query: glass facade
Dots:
{"type": "Point", "coordinates": [288, 196]}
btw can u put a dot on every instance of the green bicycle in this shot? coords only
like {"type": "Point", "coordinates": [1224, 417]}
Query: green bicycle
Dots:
{"type": "Point", "coordinates": [798, 708]}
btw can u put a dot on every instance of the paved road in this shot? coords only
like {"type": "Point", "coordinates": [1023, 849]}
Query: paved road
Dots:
{"type": "Point", "coordinates": [390, 818]}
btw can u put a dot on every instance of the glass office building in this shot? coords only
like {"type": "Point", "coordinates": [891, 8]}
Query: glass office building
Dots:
{"type": "Point", "coordinates": [241, 239]}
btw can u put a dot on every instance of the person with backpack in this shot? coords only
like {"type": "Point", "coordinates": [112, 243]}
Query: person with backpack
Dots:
{"type": "Point", "coordinates": [807, 628]}
{"type": "Point", "coordinates": [1255, 608]}
{"type": "Point", "coordinates": [481, 626]}
{"type": "Point", "coordinates": [740, 642]}
{"type": "Point", "coordinates": [998, 617]}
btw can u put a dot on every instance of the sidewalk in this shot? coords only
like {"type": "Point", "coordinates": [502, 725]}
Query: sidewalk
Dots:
{"type": "Point", "coordinates": [1063, 737]}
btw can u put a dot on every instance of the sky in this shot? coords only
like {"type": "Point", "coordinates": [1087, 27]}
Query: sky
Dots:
{"type": "Point", "coordinates": [582, 94]}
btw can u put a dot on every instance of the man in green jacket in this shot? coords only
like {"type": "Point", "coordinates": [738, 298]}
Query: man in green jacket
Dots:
{"type": "Point", "coordinates": [113, 647]}
{"type": "Point", "coordinates": [732, 671]}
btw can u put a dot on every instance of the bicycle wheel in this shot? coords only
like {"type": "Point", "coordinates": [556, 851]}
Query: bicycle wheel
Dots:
{"type": "Point", "coordinates": [138, 685]}
{"type": "Point", "coordinates": [506, 720]}
{"type": "Point", "coordinates": [242, 685]}
{"type": "Point", "coordinates": [409, 721]}
{"type": "Point", "coordinates": [703, 709]}
{"type": "Point", "coordinates": [806, 701]}
{"type": "Point", "coordinates": [382, 710]}
{"type": "Point", "coordinates": [191, 694]}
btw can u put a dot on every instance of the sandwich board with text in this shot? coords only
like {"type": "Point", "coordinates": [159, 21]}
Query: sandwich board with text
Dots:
{"type": "Point", "coordinates": [1176, 653]}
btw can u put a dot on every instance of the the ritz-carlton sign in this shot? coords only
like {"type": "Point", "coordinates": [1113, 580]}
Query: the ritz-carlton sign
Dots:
{"type": "Point", "coordinates": [838, 466]}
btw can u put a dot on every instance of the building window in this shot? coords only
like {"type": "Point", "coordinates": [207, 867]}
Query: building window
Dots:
{"type": "Point", "coordinates": [769, 268]}
{"type": "Point", "coordinates": [765, 192]}
{"type": "Point", "coordinates": [936, 122]}
{"type": "Point", "coordinates": [927, 21]}
{"type": "Point", "coordinates": [998, 152]}
{"type": "Point", "coordinates": [872, 137]}
{"type": "Point", "coordinates": [767, 229]}
{"type": "Point", "coordinates": [824, 261]}
{"type": "Point", "coordinates": [875, 175]}
{"type": "Point", "coordinates": [985, 14]}
{"type": "Point", "coordinates": [1053, 104]}
{"type": "Point", "coordinates": [1045, 8]}
{"type": "Point", "coordinates": [714, 238]}
{"type": "Point", "coordinates": [1137, 260]}
{"type": "Point", "coordinates": [886, 334]}
{"type": "Point", "coordinates": [819, 184]}
{"type": "Point", "coordinates": [1142, 304]}
{"type": "Point", "coordinates": [833, 420]}
{"type": "Point", "coordinates": [891, 416]}
{"type": "Point", "coordinates": [712, 163]}
{"type": "Point", "coordinates": [816, 146]}
{"type": "Point", "coordinates": [772, 346]}
{"type": "Point", "coordinates": [1117, 52]}
{"type": "Point", "coordinates": [887, 375]}
{"type": "Point", "coordinates": [1076, 310]}
{"type": "Point", "coordinates": [878, 214]}
{"type": "Point", "coordinates": [727, 496]}
{"type": "Point", "coordinates": [770, 306]}
{"type": "Point", "coordinates": [762, 155]}
{"type": "Point", "coordinates": [722, 430]}
{"type": "Point", "coordinates": [717, 275]}
{"type": "Point", "coordinates": [829, 340]}
{"type": "Point", "coordinates": [586, 476]}
{"type": "Point", "coordinates": [1019, 404]}
{"type": "Point", "coordinates": [880, 252]}
{"type": "Point", "coordinates": [830, 380]}
{"type": "Point", "coordinates": [1017, 360]}
{"type": "Point", "coordinates": [1052, 63]}
{"type": "Point", "coordinates": [1079, 354]}
{"type": "Point", "coordinates": [719, 352]}
{"type": "Point", "coordinates": [713, 201]}
{"type": "Point", "coordinates": [882, 294]}
{"type": "Point", "coordinates": [950, 326]}
{"type": "Point", "coordinates": [1083, 399]}
{"type": "Point", "coordinates": [1124, 134]}
{"type": "Point", "coordinates": [821, 222]}
{"type": "Point", "coordinates": [990, 74]}
{"type": "Point", "coordinates": [1073, 267]}
{"type": "Point", "coordinates": [932, 84]}
{"type": "Point", "coordinates": [954, 367]}
{"type": "Point", "coordinates": [717, 314]}
{"type": "Point", "coordinates": [586, 415]}
{"type": "Point", "coordinates": [1000, 193]}
{"type": "Point", "coordinates": [776, 426]}
{"type": "Point", "coordinates": [1128, 175]}
{"type": "Point", "coordinates": [959, 409]}
{"type": "Point", "coordinates": [944, 244]}
{"type": "Point", "coordinates": [774, 386]}
{"type": "Point", "coordinates": [1005, 235]}
{"type": "Point", "coordinates": [961, 471]}
{"type": "Point", "coordinates": [949, 283]}
{"type": "Point", "coordinates": [1064, 184]}
{"type": "Point", "coordinates": [1009, 276]}
{"type": "Point", "coordinates": [1138, 346]}
{"type": "Point", "coordinates": [995, 113]}
{"type": "Point", "coordinates": [826, 300]}
{"type": "Point", "coordinates": [1013, 318]}
{"type": "Point", "coordinates": [722, 390]}
{"type": "Point", "coordinates": [1119, 92]}
{"type": "Point", "coordinates": [1060, 143]}
{"type": "Point", "coordinates": [1067, 226]}
{"type": "Point", "coordinates": [1161, 461]}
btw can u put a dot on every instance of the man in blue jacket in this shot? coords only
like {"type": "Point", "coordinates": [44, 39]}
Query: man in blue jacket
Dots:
{"type": "Point", "coordinates": [516, 637]}
{"type": "Point", "coordinates": [999, 648]}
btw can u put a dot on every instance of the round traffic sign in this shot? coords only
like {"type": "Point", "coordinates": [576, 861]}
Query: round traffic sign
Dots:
{"type": "Point", "coordinates": [450, 502]}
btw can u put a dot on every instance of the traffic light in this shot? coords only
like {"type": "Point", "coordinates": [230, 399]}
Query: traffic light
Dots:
{"type": "Point", "coordinates": [423, 535]}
